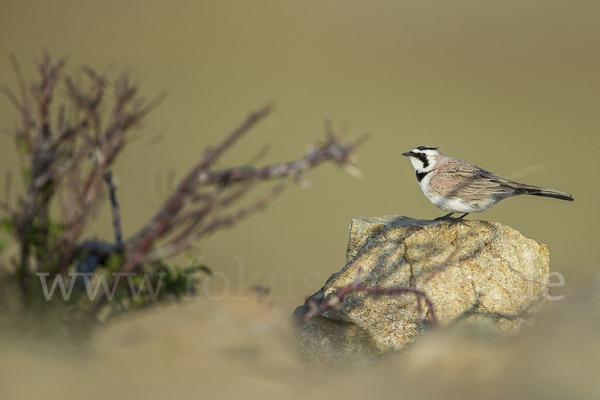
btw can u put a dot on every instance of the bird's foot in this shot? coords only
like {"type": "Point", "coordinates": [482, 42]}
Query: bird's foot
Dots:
{"type": "Point", "coordinates": [445, 217]}
{"type": "Point", "coordinates": [459, 220]}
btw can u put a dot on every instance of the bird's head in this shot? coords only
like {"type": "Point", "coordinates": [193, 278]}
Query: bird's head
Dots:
{"type": "Point", "coordinates": [423, 158]}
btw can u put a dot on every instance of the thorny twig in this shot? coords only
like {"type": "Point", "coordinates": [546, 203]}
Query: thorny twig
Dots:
{"type": "Point", "coordinates": [336, 300]}
{"type": "Point", "coordinates": [192, 234]}
{"type": "Point", "coordinates": [188, 192]}
{"type": "Point", "coordinates": [332, 150]}
{"type": "Point", "coordinates": [112, 189]}
{"type": "Point", "coordinates": [162, 224]}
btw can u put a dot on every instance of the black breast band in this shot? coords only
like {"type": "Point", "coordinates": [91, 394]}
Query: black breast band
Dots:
{"type": "Point", "coordinates": [421, 175]}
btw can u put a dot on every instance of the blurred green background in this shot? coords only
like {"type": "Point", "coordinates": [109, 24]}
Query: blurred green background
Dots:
{"type": "Point", "coordinates": [512, 86]}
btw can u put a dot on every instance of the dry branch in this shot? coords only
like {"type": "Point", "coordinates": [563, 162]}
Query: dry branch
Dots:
{"type": "Point", "coordinates": [161, 224]}
{"type": "Point", "coordinates": [70, 156]}
{"type": "Point", "coordinates": [203, 221]}
{"type": "Point", "coordinates": [112, 189]}
{"type": "Point", "coordinates": [335, 301]}
{"type": "Point", "coordinates": [66, 155]}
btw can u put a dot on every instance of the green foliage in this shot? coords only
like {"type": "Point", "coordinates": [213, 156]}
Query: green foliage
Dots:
{"type": "Point", "coordinates": [55, 229]}
{"type": "Point", "coordinates": [160, 283]}
{"type": "Point", "coordinates": [7, 226]}
{"type": "Point", "coordinates": [177, 283]}
{"type": "Point", "coordinates": [27, 174]}
{"type": "Point", "coordinates": [22, 145]}
{"type": "Point", "coordinates": [114, 262]}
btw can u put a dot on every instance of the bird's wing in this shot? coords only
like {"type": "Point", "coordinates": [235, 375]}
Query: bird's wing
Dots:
{"type": "Point", "coordinates": [465, 179]}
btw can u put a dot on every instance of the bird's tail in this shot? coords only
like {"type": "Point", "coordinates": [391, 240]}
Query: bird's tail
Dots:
{"type": "Point", "coordinates": [550, 193]}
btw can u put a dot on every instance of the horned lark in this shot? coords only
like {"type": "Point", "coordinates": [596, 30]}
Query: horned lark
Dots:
{"type": "Point", "coordinates": [458, 186]}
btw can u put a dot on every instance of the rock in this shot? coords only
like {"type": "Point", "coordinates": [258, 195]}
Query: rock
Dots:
{"type": "Point", "coordinates": [495, 275]}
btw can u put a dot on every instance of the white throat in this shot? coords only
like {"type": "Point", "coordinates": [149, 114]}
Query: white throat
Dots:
{"type": "Point", "coordinates": [425, 162]}
{"type": "Point", "coordinates": [418, 164]}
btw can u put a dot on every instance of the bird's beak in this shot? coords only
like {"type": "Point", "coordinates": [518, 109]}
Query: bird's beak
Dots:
{"type": "Point", "coordinates": [407, 154]}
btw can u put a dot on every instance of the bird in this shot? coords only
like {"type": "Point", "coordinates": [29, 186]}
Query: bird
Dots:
{"type": "Point", "coordinates": [457, 186]}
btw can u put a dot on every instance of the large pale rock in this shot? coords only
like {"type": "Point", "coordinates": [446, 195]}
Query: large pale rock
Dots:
{"type": "Point", "coordinates": [496, 275]}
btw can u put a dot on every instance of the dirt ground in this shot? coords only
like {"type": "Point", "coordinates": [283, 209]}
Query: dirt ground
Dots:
{"type": "Point", "coordinates": [244, 348]}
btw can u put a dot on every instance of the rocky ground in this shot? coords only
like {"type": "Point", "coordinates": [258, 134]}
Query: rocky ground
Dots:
{"type": "Point", "coordinates": [246, 347]}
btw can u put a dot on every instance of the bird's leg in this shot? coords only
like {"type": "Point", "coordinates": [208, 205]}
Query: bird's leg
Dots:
{"type": "Point", "coordinates": [445, 217]}
{"type": "Point", "coordinates": [459, 220]}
